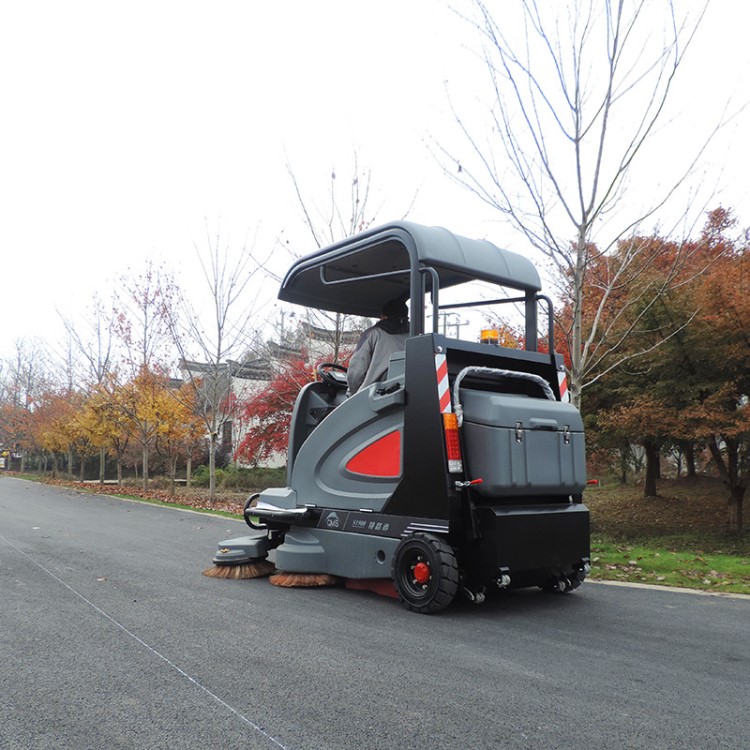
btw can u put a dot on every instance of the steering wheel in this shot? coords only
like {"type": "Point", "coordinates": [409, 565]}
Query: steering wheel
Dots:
{"type": "Point", "coordinates": [332, 374]}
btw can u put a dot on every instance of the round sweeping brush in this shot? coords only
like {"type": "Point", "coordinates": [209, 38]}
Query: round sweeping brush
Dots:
{"type": "Point", "coordinates": [303, 580]}
{"type": "Point", "coordinates": [241, 572]}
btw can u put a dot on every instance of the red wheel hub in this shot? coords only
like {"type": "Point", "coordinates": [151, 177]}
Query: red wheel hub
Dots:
{"type": "Point", "coordinates": [421, 572]}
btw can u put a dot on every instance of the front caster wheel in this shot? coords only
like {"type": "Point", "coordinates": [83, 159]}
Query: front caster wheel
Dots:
{"type": "Point", "coordinates": [425, 573]}
{"type": "Point", "coordinates": [565, 584]}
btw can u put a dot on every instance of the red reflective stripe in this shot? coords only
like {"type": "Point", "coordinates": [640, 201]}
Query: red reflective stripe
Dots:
{"type": "Point", "coordinates": [441, 372]}
{"type": "Point", "coordinates": [379, 459]}
{"type": "Point", "coordinates": [445, 401]}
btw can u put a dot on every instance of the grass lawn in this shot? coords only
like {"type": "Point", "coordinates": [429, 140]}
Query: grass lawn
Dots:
{"type": "Point", "coordinates": [679, 538]}
{"type": "Point", "coordinates": [660, 565]}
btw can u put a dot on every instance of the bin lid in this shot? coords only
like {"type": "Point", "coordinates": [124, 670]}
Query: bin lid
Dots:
{"type": "Point", "coordinates": [507, 410]}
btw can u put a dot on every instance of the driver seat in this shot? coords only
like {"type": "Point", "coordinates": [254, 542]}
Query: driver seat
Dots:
{"type": "Point", "coordinates": [314, 403]}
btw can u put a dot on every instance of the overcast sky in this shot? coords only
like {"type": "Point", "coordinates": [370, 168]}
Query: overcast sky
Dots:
{"type": "Point", "coordinates": [126, 127]}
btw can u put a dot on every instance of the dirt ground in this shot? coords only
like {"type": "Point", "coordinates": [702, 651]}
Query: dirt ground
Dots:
{"type": "Point", "coordinates": [697, 506]}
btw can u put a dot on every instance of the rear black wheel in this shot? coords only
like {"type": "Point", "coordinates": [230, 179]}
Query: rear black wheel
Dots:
{"type": "Point", "coordinates": [425, 572]}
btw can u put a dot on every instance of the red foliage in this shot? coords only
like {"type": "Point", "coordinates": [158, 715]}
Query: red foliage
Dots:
{"type": "Point", "coordinates": [268, 414]}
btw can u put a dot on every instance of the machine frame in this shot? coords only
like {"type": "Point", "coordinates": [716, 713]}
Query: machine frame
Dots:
{"type": "Point", "coordinates": [374, 490]}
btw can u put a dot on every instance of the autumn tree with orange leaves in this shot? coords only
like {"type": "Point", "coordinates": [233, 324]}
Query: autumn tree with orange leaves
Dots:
{"type": "Point", "coordinates": [718, 356]}
{"type": "Point", "coordinates": [52, 427]}
{"type": "Point", "coordinates": [692, 384]}
{"type": "Point", "coordinates": [25, 378]}
{"type": "Point", "coordinates": [178, 427]}
{"type": "Point", "coordinates": [142, 328]}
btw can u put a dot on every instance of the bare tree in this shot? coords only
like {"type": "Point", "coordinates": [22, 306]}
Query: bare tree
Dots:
{"type": "Point", "coordinates": [577, 92]}
{"type": "Point", "coordinates": [28, 371]}
{"type": "Point", "coordinates": [142, 313]}
{"type": "Point", "coordinates": [346, 210]}
{"type": "Point", "coordinates": [337, 218]}
{"type": "Point", "coordinates": [92, 337]}
{"type": "Point", "coordinates": [218, 336]}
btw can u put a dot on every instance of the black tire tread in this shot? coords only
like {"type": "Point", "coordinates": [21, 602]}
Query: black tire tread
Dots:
{"type": "Point", "coordinates": [445, 568]}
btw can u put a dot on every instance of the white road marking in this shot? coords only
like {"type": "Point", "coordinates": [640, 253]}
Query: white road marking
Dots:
{"type": "Point", "coordinates": [151, 649]}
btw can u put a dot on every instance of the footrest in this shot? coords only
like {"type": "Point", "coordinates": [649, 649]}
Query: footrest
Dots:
{"type": "Point", "coordinates": [266, 512]}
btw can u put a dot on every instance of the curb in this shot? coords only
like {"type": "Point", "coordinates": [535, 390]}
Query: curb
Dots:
{"type": "Point", "coordinates": [673, 589]}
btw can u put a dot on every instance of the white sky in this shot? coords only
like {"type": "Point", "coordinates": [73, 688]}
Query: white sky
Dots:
{"type": "Point", "coordinates": [126, 126]}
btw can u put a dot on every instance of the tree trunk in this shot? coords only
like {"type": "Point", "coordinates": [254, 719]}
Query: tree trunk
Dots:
{"type": "Point", "coordinates": [188, 471]}
{"type": "Point", "coordinates": [737, 497]}
{"type": "Point", "coordinates": [730, 476]}
{"type": "Point", "coordinates": [70, 464]}
{"type": "Point", "coordinates": [577, 360]}
{"type": "Point", "coordinates": [172, 475]}
{"type": "Point", "coordinates": [212, 467]}
{"type": "Point", "coordinates": [102, 464]}
{"type": "Point", "coordinates": [119, 470]}
{"type": "Point", "coordinates": [82, 471]}
{"type": "Point", "coordinates": [145, 466]}
{"type": "Point", "coordinates": [624, 452]}
{"type": "Point", "coordinates": [690, 460]}
{"type": "Point", "coordinates": [652, 468]}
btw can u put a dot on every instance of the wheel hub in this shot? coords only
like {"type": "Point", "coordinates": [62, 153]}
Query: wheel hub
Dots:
{"type": "Point", "coordinates": [421, 572]}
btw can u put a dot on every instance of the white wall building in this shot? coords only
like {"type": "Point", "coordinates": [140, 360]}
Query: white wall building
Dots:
{"type": "Point", "coordinates": [243, 380]}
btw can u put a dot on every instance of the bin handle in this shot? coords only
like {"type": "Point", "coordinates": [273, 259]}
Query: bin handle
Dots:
{"type": "Point", "coordinates": [538, 423]}
{"type": "Point", "coordinates": [537, 379]}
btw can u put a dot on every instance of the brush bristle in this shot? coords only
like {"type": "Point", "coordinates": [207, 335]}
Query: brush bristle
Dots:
{"type": "Point", "coordinates": [245, 571]}
{"type": "Point", "coordinates": [303, 580]}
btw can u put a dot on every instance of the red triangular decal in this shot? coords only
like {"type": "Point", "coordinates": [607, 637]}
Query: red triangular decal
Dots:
{"type": "Point", "coordinates": [379, 459]}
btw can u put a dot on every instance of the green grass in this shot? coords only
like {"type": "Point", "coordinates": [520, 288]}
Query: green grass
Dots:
{"type": "Point", "coordinates": [679, 538]}
{"type": "Point", "coordinates": [653, 564]}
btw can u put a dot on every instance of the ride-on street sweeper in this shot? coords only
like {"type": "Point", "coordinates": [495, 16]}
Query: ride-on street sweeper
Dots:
{"type": "Point", "coordinates": [460, 472]}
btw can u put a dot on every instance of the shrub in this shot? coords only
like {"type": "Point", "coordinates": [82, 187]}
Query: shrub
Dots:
{"type": "Point", "coordinates": [159, 483]}
{"type": "Point", "coordinates": [202, 475]}
{"type": "Point", "coordinates": [253, 479]}
{"type": "Point", "coordinates": [233, 478]}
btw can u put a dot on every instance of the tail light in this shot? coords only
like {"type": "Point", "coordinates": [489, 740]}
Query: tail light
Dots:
{"type": "Point", "coordinates": [452, 443]}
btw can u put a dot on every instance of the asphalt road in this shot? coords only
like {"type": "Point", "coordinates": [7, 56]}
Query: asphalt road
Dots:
{"type": "Point", "coordinates": [110, 637]}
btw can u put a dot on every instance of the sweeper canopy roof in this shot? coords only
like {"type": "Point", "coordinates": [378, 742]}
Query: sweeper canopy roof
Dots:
{"type": "Point", "coordinates": [400, 260]}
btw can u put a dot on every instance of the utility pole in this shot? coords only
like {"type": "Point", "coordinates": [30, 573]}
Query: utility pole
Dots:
{"type": "Point", "coordinates": [455, 325]}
